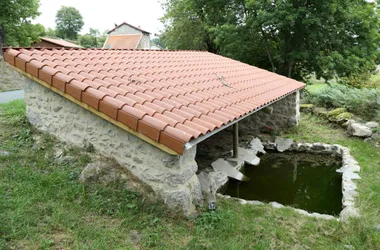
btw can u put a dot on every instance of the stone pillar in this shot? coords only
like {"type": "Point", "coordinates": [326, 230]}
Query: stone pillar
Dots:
{"type": "Point", "coordinates": [171, 177]}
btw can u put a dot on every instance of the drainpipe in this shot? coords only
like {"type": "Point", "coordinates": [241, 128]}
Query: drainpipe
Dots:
{"type": "Point", "coordinates": [235, 140]}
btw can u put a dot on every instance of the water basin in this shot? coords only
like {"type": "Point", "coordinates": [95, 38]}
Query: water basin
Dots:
{"type": "Point", "coordinates": [302, 180]}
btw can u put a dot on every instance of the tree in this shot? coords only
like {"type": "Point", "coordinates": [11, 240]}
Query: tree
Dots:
{"type": "Point", "coordinates": [93, 39]}
{"type": "Point", "coordinates": [330, 38]}
{"type": "Point", "coordinates": [15, 26]}
{"type": "Point", "coordinates": [50, 32]}
{"type": "Point", "coordinates": [25, 34]}
{"type": "Point", "coordinates": [159, 42]}
{"type": "Point", "coordinates": [68, 22]}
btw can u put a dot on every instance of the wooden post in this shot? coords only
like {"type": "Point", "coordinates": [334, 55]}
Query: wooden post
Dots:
{"type": "Point", "coordinates": [235, 140]}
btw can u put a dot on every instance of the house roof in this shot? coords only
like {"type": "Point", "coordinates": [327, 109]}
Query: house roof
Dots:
{"type": "Point", "coordinates": [170, 97]}
{"type": "Point", "coordinates": [124, 23]}
{"type": "Point", "coordinates": [60, 42]}
{"type": "Point", "coordinates": [122, 42]}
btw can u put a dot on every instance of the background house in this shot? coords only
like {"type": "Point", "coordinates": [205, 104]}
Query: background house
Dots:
{"type": "Point", "coordinates": [126, 36]}
{"type": "Point", "coordinates": [55, 43]}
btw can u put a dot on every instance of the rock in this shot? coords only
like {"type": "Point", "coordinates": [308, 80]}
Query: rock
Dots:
{"type": "Point", "coordinates": [320, 111]}
{"type": "Point", "coordinates": [283, 144]}
{"type": "Point", "coordinates": [4, 153]}
{"type": "Point", "coordinates": [100, 171]}
{"type": "Point", "coordinates": [372, 124]}
{"type": "Point", "coordinates": [243, 202]}
{"type": "Point", "coordinates": [134, 236]}
{"type": "Point", "coordinates": [58, 153]}
{"type": "Point", "coordinates": [276, 204]}
{"type": "Point", "coordinates": [303, 212]}
{"type": "Point", "coordinates": [66, 159]}
{"type": "Point", "coordinates": [206, 183]}
{"type": "Point", "coordinates": [359, 130]}
{"type": "Point", "coordinates": [318, 146]}
{"type": "Point", "coordinates": [348, 212]}
{"type": "Point", "coordinates": [323, 216]}
{"type": "Point", "coordinates": [349, 168]}
{"type": "Point", "coordinates": [336, 112]}
{"type": "Point", "coordinates": [270, 145]}
{"type": "Point", "coordinates": [375, 136]}
{"type": "Point", "coordinates": [345, 124]}
{"type": "Point", "coordinates": [343, 117]}
{"type": "Point", "coordinates": [257, 146]}
{"type": "Point", "coordinates": [306, 107]}
{"type": "Point", "coordinates": [255, 202]}
{"type": "Point", "coordinates": [351, 175]}
{"type": "Point", "coordinates": [368, 140]}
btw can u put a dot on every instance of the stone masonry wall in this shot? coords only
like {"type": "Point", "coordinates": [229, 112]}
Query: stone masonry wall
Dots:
{"type": "Point", "coordinates": [9, 78]}
{"type": "Point", "coordinates": [285, 114]}
{"type": "Point", "coordinates": [171, 177]}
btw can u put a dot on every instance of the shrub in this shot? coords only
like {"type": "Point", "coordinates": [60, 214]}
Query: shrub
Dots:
{"type": "Point", "coordinates": [363, 102]}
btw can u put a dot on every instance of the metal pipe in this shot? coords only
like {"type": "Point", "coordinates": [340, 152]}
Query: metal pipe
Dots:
{"type": "Point", "coordinates": [235, 140]}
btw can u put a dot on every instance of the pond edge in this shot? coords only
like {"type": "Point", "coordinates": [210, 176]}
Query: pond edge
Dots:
{"type": "Point", "coordinates": [349, 170]}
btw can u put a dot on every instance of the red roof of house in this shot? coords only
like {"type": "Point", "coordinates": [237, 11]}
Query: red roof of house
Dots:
{"type": "Point", "coordinates": [122, 42]}
{"type": "Point", "coordinates": [171, 97]}
{"type": "Point", "coordinates": [60, 42]}
{"type": "Point", "coordinates": [124, 23]}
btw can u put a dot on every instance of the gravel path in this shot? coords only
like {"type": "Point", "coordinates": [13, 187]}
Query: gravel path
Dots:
{"type": "Point", "coordinates": [11, 96]}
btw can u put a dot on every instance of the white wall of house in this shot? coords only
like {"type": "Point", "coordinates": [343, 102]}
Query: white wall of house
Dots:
{"type": "Point", "coordinates": [144, 42]}
{"type": "Point", "coordinates": [126, 30]}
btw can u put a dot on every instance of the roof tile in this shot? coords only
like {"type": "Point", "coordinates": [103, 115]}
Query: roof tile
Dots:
{"type": "Point", "coordinates": [171, 97]}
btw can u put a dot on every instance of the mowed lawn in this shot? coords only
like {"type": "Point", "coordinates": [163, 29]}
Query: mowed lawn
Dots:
{"type": "Point", "coordinates": [42, 205]}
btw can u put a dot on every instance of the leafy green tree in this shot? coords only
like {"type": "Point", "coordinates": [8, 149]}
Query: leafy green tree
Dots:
{"type": "Point", "coordinates": [93, 39]}
{"type": "Point", "coordinates": [50, 32]}
{"type": "Point", "coordinates": [69, 22]}
{"type": "Point", "coordinates": [25, 35]}
{"type": "Point", "coordinates": [159, 42]}
{"type": "Point", "coordinates": [330, 38]}
{"type": "Point", "coordinates": [15, 26]}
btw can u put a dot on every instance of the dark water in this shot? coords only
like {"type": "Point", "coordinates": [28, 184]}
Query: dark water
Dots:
{"type": "Point", "coordinates": [305, 181]}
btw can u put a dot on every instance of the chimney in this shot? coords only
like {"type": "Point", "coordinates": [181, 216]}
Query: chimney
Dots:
{"type": "Point", "coordinates": [139, 27]}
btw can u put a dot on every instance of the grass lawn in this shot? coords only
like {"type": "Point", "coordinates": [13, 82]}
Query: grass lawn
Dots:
{"type": "Point", "coordinates": [42, 205]}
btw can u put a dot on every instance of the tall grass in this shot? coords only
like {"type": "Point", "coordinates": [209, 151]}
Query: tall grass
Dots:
{"type": "Point", "coordinates": [363, 102]}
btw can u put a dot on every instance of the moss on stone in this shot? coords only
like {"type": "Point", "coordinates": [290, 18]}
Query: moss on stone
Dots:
{"type": "Point", "coordinates": [346, 116]}
{"type": "Point", "coordinates": [305, 105]}
{"type": "Point", "coordinates": [335, 112]}
{"type": "Point", "coordinates": [320, 111]}
{"type": "Point", "coordinates": [343, 117]}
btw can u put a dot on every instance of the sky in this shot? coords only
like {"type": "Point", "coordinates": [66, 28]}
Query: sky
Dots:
{"type": "Point", "coordinates": [103, 15]}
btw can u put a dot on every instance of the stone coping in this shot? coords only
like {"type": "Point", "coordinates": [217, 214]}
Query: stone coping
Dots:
{"type": "Point", "coordinates": [349, 170]}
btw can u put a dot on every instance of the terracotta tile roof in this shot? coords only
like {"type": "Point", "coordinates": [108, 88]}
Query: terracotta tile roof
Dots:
{"type": "Point", "coordinates": [171, 97]}
{"type": "Point", "coordinates": [60, 42]}
{"type": "Point", "coordinates": [124, 23]}
{"type": "Point", "coordinates": [122, 42]}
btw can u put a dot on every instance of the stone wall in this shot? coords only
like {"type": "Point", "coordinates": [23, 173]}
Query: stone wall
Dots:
{"type": "Point", "coordinates": [9, 78]}
{"type": "Point", "coordinates": [171, 177]}
{"type": "Point", "coordinates": [285, 114]}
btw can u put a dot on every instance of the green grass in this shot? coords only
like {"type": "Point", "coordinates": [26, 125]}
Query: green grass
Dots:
{"type": "Point", "coordinates": [314, 88]}
{"type": "Point", "coordinates": [42, 205]}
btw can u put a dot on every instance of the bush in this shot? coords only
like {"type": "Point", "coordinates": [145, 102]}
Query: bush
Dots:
{"type": "Point", "coordinates": [363, 102]}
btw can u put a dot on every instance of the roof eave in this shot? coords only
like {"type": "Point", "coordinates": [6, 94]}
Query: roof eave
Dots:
{"type": "Point", "coordinates": [194, 142]}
